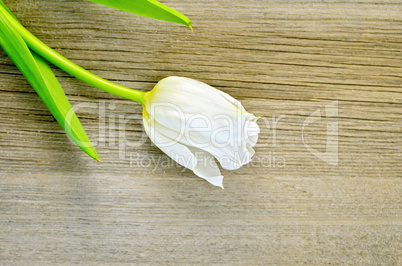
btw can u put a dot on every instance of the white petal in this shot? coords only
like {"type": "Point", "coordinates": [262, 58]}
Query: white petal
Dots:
{"type": "Point", "coordinates": [216, 181]}
{"type": "Point", "coordinates": [252, 130]}
{"type": "Point", "coordinates": [236, 160]}
{"type": "Point", "coordinates": [231, 156]}
{"type": "Point", "coordinates": [206, 167]}
{"type": "Point", "coordinates": [251, 151]}
{"type": "Point", "coordinates": [244, 137]}
{"type": "Point", "coordinates": [190, 95]}
{"type": "Point", "coordinates": [200, 162]}
{"type": "Point", "coordinates": [252, 140]}
{"type": "Point", "coordinates": [178, 152]}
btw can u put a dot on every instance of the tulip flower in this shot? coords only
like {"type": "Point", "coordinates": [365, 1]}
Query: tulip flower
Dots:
{"type": "Point", "coordinates": [193, 123]}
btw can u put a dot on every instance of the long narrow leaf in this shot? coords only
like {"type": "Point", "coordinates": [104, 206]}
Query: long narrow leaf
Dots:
{"type": "Point", "coordinates": [6, 8]}
{"type": "Point", "coordinates": [41, 77]}
{"type": "Point", "coordinates": [147, 8]}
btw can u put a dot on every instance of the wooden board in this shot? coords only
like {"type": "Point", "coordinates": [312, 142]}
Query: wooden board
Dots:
{"type": "Point", "coordinates": [326, 194]}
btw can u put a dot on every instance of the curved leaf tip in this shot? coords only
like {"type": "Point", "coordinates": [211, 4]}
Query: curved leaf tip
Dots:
{"type": "Point", "coordinates": [147, 8]}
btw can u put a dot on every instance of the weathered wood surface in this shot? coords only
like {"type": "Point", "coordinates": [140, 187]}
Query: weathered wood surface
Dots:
{"type": "Point", "coordinates": [284, 60]}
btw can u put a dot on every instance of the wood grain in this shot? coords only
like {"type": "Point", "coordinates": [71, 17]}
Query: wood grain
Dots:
{"type": "Point", "coordinates": [284, 60]}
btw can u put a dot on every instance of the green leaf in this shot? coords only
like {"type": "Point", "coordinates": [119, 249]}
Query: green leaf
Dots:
{"type": "Point", "coordinates": [147, 8]}
{"type": "Point", "coordinates": [41, 77]}
{"type": "Point", "coordinates": [6, 8]}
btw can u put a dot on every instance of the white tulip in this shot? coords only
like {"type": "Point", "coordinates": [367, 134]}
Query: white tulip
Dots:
{"type": "Point", "coordinates": [193, 123]}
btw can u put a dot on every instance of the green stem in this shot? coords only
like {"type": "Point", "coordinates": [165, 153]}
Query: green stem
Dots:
{"type": "Point", "coordinates": [73, 69]}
